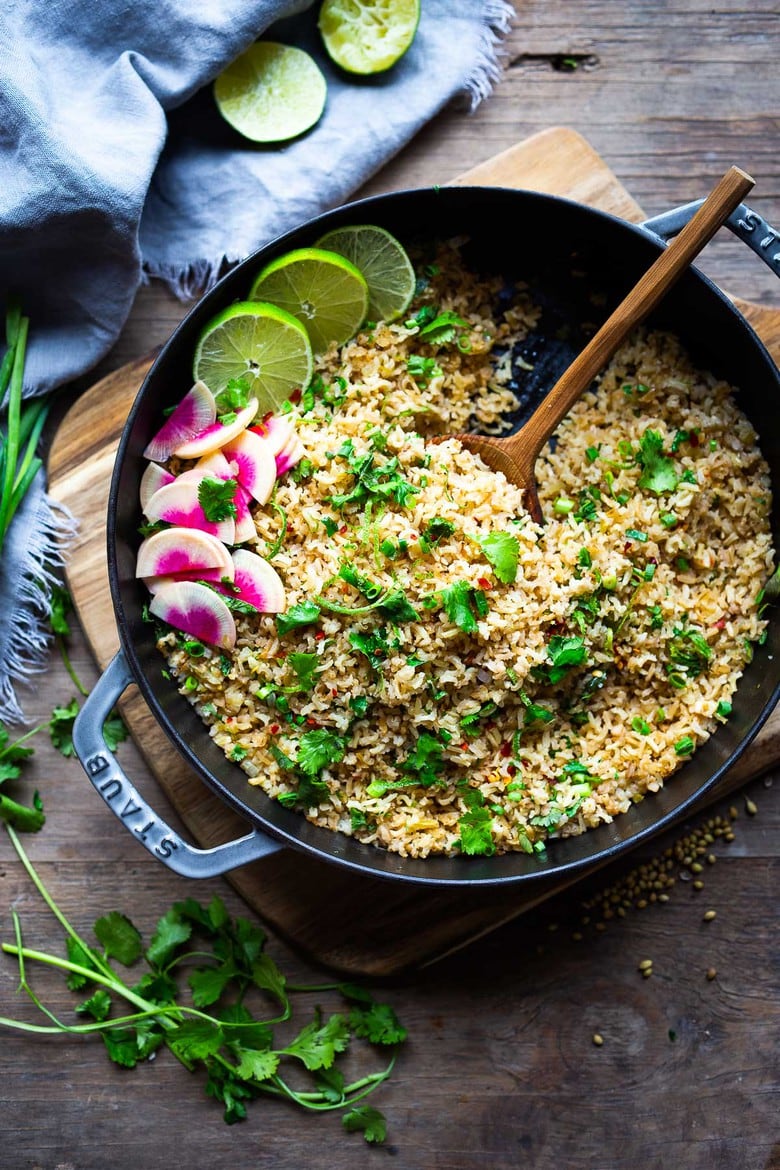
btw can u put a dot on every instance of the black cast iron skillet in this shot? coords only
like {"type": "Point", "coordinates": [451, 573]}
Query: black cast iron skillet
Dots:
{"type": "Point", "coordinates": [580, 263]}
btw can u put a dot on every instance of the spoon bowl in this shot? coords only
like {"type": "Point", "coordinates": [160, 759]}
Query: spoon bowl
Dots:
{"type": "Point", "coordinates": [515, 455]}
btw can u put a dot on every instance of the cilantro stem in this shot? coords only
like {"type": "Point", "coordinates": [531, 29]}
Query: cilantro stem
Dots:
{"type": "Point", "coordinates": [318, 1101]}
{"type": "Point", "coordinates": [273, 548]}
{"type": "Point", "coordinates": [70, 668]}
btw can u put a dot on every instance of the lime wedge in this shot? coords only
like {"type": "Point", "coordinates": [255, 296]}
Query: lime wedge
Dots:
{"type": "Point", "coordinates": [327, 293]}
{"type": "Point", "coordinates": [368, 36]}
{"type": "Point", "coordinates": [383, 262]}
{"type": "Point", "coordinates": [271, 92]}
{"type": "Point", "coordinates": [260, 343]}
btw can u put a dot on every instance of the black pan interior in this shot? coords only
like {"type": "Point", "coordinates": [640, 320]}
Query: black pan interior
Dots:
{"type": "Point", "coordinates": [579, 263]}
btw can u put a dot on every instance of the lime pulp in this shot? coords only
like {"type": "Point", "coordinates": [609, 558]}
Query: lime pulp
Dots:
{"type": "Point", "coordinates": [383, 262]}
{"type": "Point", "coordinates": [271, 93]}
{"type": "Point", "coordinates": [368, 36]}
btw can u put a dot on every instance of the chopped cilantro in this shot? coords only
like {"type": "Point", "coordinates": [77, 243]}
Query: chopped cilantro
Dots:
{"type": "Point", "coordinates": [459, 601]}
{"type": "Point", "coordinates": [374, 645]}
{"type": "Point", "coordinates": [476, 835]}
{"type": "Point", "coordinates": [305, 613]}
{"type": "Point", "coordinates": [330, 525]}
{"type": "Point", "coordinates": [502, 551]}
{"type": "Point", "coordinates": [470, 721]}
{"type": "Point", "coordinates": [216, 498]}
{"type": "Point", "coordinates": [442, 329]}
{"type": "Point", "coordinates": [234, 396]}
{"type": "Point", "coordinates": [359, 704]}
{"type": "Point", "coordinates": [305, 669]}
{"type": "Point", "coordinates": [658, 473]}
{"type": "Point", "coordinates": [422, 369]}
{"type": "Point", "coordinates": [378, 481]}
{"type": "Point", "coordinates": [425, 761]}
{"type": "Point", "coordinates": [563, 653]}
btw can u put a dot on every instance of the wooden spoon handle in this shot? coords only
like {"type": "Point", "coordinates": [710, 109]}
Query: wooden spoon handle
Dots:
{"type": "Point", "coordinates": [642, 299]}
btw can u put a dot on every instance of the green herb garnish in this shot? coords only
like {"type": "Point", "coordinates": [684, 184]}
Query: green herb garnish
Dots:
{"type": "Point", "coordinates": [217, 499]}
{"type": "Point", "coordinates": [502, 551]}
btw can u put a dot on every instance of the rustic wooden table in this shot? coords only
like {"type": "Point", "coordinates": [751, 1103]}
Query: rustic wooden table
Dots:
{"type": "Point", "coordinates": [501, 1067]}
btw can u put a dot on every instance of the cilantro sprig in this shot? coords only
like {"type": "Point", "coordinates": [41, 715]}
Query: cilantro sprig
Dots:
{"type": "Point", "coordinates": [658, 472]}
{"type": "Point", "coordinates": [201, 988]}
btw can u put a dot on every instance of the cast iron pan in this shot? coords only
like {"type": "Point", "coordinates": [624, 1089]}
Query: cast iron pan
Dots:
{"type": "Point", "coordinates": [580, 263]}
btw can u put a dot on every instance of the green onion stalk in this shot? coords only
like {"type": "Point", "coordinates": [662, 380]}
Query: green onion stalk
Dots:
{"type": "Point", "coordinates": [23, 422]}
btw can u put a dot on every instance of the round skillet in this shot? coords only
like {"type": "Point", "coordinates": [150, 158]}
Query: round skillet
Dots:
{"type": "Point", "coordinates": [580, 263]}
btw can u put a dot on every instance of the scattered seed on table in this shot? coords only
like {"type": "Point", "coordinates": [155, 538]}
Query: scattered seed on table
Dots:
{"type": "Point", "coordinates": [750, 807]}
{"type": "Point", "coordinates": [709, 915]}
{"type": "Point", "coordinates": [646, 964]}
{"type": "Point", "coordinates": [598, 1040]}
{"type": "Point", "coordinates": [711, 973]}
{"type": "Point", "coordinates": [699, 885]}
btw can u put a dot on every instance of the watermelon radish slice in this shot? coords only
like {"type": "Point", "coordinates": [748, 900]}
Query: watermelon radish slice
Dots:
{"type": "Point", "coordinates": [215, 466]}
{"type": "Point", "coordinates": [257, 582]}
{"type": "Point", "coordinates": [175, 551]}
{"type": "Point", "coordinates": [195, 610]}
{"type": "Point", "coordinates": [292, 453]}
{"type": "Point", "coordinates": [217, 434]}
{"type": "Point", "coordinates": [153, 478]}
{"type": "Point", "coordinates": [195, 413]}
{"type": "Point", "coordinates": [254, 464]}
{"type": "Point", "coordinates": [245, 524]}
{"type": "Point", "coordinates": [275, 430]}
{"type": "Point", "coordinates": [177, 503]}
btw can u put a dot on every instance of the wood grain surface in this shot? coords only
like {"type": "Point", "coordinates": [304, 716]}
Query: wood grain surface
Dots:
{"type": "Point", "coordinates": [500, 1069]}
{"type": "Point", "coordinates": [304, 899]}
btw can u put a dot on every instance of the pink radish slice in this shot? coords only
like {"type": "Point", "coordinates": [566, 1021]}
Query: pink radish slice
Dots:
{"type": "Point", "coordinates": [290, 454]}
{"type": "Point", "coordinates": [215, 466]}
{"type": "Point", "coordinates": [215, 576]}
{"type": "Point", "coordinates": [196, 610]}
{"type": "Point", "coordinates": [196, 411]}
{"type": "Point", "coordinates": [254, 463]}
{"type": "Point", "coordinates": [257, 582]}
{"type": "Point", "coordinates": [217, 434]}
{"type": "Point", "coordinates": [275, 430]}
{"type": "Point", "coordinates": [183, 550]}
{"type": "Point", "coordinates": [245, 524]}
{"type": "Point", "coordinates": [153, 478]}
{"type": "Point", "coordinates": [177, 503]}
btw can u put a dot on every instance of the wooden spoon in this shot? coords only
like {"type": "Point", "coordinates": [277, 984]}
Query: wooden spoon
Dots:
{"type": "Point", "coordinates": [516, 454]}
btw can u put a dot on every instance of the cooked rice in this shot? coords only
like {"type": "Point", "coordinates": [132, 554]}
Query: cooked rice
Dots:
{"type": "Point", "coordinates": [544, 759]}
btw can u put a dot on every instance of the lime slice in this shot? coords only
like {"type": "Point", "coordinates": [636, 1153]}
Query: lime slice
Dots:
{"type": "Point", "coordinates": [383, 262]}
{"type": "Point", "coordinates": [260, 343]}
{"type": "Point", "coordinates": [271, 92]}
{"type": "Point", "coordinates": [327, 293]}
{"type": "Point", "coordinates": [368, 36]}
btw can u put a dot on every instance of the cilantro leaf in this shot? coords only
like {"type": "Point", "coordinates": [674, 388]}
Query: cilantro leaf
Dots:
{"type": "Point", "coordinates": [366, 1119]}
{"type": "Point", "coordinates": [658, 473]}
{"type": "Point", "coordinates": [234, 396]}
{"type": "Point", "coordinates": [502, 551]}
{"type": "Point", "coordinates": [377, 1023]}
{"type": "Point", "coordinates": [375, 645]}
{"type": "Point", "coordinates": [267, 976]}
{"type": "Point", "coordinates": [119, 938]}
{"type": "Point", "coordinates": [170, 933]}
{"type": "Point", "coordinates": [208, 983]}
{"type": "Point", "coordinates": [195, 1040]}
{"type": "Point", "coordinates": [425, 761]}
{"type": "Point", "coordinates": [305, 669]}
{"type": "Point", "coordinates": [476, 836]}
{"type": "Point", "coordinates": [216, 498]}
{"type": "Point", "coordinates": [422, 369]}
{"type": "Point", "coordinates": [121, 1046]}
{"type": "Point", "coordinates": [82, 958]}
{"type": "Point", "coordinates": [114, 731]}
{"type": "Point", "coordinates": [61, 727]}
{"type": "Point", "coordinates": [460, 602]}
{"type": "Point", "coordinates": [442, 329]}
{"type": "Point", "coordinates": [98, 1005]}
{"type": "Point", "coordinates": [318, 749]}
{"type": "Point", "coordinates": [317, 1044]}
{"type": "Point", "coordinates": [255, 1064]}
{"type": "Point", "coordinates": [61, 606]}
{"type": "Point", "coordinates": [305, 613]}
{"type": "Point", "coordinates": [563, 653]}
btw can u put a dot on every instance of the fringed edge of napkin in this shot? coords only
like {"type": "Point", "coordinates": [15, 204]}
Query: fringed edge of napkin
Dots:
{"type": "Point", "coordinates": [40, 569]}
{"type": "Point", "coordinates": [488, 68]}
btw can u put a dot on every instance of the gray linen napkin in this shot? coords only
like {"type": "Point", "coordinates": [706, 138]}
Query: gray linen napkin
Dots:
{"type": "Point", "coordinates": [115, 167]}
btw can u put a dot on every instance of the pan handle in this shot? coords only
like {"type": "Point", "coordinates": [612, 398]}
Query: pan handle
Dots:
{"type": "Point", "coordinates": [746, 224]}
{"type": "Point", "coordinates": [126, 802]}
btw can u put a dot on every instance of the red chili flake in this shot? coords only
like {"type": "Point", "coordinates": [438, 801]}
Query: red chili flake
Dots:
{"type": "Point", "coordinates": [511, 770]}
{"type": "Point", "coordinates": [311, 722]}
{"type": "Point", "coordinates": [464, 747]}
{"type": "Point", "coordinates": [627, 547]}
{"type": "Point", "coordinates": [343, 529]}
{"type": "Point", "coordinates": [319, 635]}
{"type": "Point", "coordinates": [694, 439]}
{"type": "Point", "coordinates": [506, 749]}
{"type": "Point", "coordinates": [296, 395]}
{"type": "Point", "coordinates": [413, 536]}
{"type": "Point", "coordinates": [333, 693]}
{"type": "Point", "coordinates": [274, 729]}
{"type": "Point", "coordinates": [484, 583]}
{"type": "Point", "coordinates": [720, 624]}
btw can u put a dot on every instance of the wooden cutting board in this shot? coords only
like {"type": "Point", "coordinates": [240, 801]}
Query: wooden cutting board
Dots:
{"type": "Point", "coordinates": [353, 924]}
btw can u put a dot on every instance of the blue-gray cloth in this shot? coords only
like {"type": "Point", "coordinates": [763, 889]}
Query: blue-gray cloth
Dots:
{"type": "Point", "coordinates": [115, 165]}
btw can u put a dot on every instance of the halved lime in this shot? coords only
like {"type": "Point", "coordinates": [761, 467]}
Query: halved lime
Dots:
{"type": "Point", "coordinates": [260, 343]}
{"type": "Point", "coordinates": [326, 292]}
{"type": "Point", "coordinates": [368, 36]}
{"type": "Point", "coordinates": [271, 92]}
{"type": "Point", "coordinates": [383, 262]}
